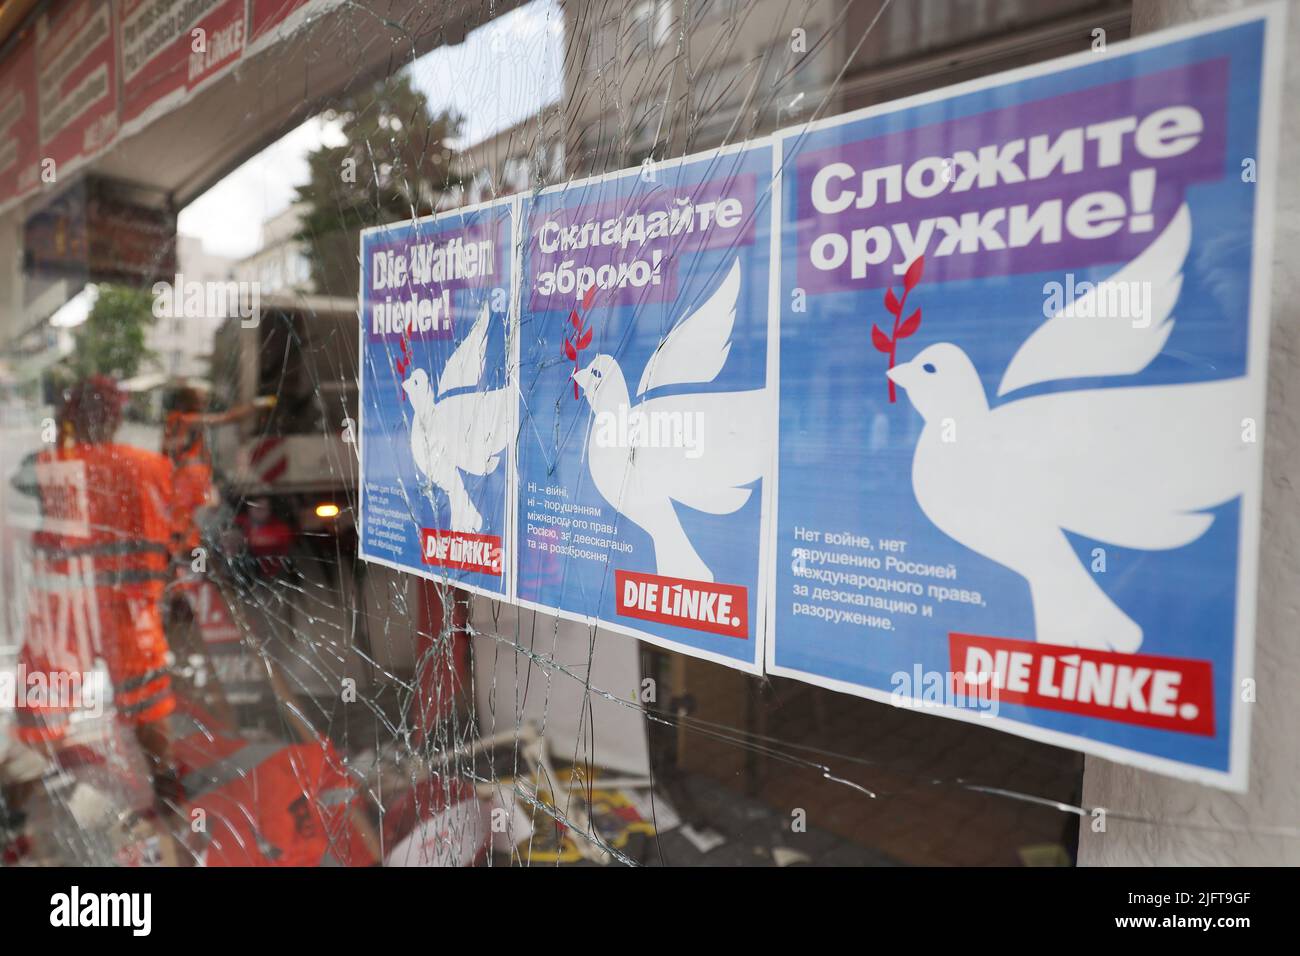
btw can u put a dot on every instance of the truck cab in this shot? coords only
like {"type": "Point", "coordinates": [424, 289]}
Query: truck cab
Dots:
{"type": "Point", "coordinates": [299, 455]}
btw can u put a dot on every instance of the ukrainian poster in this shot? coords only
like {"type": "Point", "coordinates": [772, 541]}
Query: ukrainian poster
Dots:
{"type": "Point", "coordinates": [437, 397]}
{"type": "Point", "coordinates": [645, 447]}
{"type": "Point", "coordinates": [1022, 362]}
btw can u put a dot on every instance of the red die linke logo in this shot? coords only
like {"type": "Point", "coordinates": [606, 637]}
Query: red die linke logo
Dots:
{"type": "Point", "coordinates": [1170, 693]}
{"type": "Point", "coordinates": [461, 550]}
{"type": "Point", "coordinates": [699, 605]}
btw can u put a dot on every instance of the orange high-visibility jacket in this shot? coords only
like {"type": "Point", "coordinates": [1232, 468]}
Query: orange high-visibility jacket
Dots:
{"type": "Point", "coordinates": [185, 442]}
{"type": "Point", "coordinates": [100, 565]}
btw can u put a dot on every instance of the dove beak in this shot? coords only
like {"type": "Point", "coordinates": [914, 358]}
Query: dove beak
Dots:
{"type": "Point", "coordinates": [901, 375]}
{"type": "Point", "coordinates": [583, 378]}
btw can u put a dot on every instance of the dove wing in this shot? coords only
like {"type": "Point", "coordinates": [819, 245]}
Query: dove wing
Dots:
{"type": "Point", "coordinates": [696, 348]}
{"type": "Point", "coordinates": [731, 450]}
{"type": "Point", "coordinates": [465, 367]}
{"type": "Point", "coordinates": [1135, 466]}
{"type": "Point", "coordinates": [1068, 345]}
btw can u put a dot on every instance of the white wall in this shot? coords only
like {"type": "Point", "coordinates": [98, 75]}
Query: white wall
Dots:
{"type": "Point", "coordinates": [512, 688]}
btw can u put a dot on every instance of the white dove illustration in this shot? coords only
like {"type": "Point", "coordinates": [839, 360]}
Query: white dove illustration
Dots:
{"type": "Point", "coordinates": [463, 432]}
{"type": "Point", "coordinates": [1130, 466]}
{"type": "Point", "coordinates": [641, 479]}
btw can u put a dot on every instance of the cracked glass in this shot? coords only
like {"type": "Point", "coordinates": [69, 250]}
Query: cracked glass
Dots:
{"type": "Point", "coordinates": [228, 682]}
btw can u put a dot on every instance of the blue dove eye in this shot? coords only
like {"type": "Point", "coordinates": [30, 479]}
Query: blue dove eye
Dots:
{"type": "Point", "coordinates": [596, 373]}
{"type": "Point", "coordinates": [928, 368]}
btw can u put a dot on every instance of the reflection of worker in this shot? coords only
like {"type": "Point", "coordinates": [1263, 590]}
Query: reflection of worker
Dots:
{"type": "Point", "coordinates": [185, 443]}
{"type": "Point", "coordinates": [102, 553]}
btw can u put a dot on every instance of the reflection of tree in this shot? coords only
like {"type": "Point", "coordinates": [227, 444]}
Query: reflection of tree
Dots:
{"type": "Point", "coordinates": [112, 339]}
{"type": "Point", "coordinates": [394, 164]}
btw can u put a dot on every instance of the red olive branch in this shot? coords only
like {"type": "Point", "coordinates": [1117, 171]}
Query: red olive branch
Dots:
{"type": "Point", "coordinates": [403, 363]}
{"type": "Point", "coordinates": [579, 337]}
{"type": "Point", "coordinates": [889, 343]}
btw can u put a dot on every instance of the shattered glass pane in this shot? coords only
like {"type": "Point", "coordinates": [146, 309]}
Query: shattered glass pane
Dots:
{"type": "Point", "coordinates": [235, 687]}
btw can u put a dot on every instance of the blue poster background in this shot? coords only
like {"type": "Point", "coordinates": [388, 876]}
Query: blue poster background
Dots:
{"type": "Point", "coordinates": [846, 452]}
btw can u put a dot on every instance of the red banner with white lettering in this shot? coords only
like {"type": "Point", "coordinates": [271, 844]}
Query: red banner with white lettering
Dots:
{"type": "Point", "coordinates": [19, 153]}
{"type": "Point", "coordinates": [167, 48]}
{"type": "Point", "coordinates": [1171, 693]}
{"type": "Point", "coordinates": [76, 81]}
{"type": "Point", "coordinates": [698, 605]}
{"type": "Point", "coordinates": [461, 550]}
{"type": "Point", "coordinates": [266, 15]}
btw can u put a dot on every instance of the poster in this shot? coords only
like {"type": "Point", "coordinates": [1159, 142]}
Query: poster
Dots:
{"type": "Point", "coordinates": [163, 58]}
{"type": "Point", "coordinates": [437, 398]}
{"type": "Point", "coordinates": [1021, 416]}
{"type": "Point", "coordinates": [76, 81]}
{"type": "Point", "coordinates": [645, 444]}
{"type": "Point", "coordinates": [19, 154]}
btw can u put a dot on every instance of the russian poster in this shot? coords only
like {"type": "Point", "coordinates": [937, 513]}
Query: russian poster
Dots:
{"type": "Point", "coordinates": [1023, 353]}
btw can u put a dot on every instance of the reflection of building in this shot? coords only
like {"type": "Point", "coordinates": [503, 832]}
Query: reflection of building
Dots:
{"type": "Point", "coordinates": [636, 94]}
{"type": "Point", "coordinates": [281, 264]}
{"type": "Point", "coordinates": [525, 156]}
{"type": "Point", "coordinates": [662, 78]}
{"type": "Point", "coordinates": [184, 344]}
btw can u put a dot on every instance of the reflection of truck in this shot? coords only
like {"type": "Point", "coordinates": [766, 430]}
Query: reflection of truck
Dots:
{"type": "Point", "coordinates": [299, 455]}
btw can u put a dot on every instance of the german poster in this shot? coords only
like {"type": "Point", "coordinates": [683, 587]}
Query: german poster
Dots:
{"type": "Point", "coordinates": [437, 396]}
